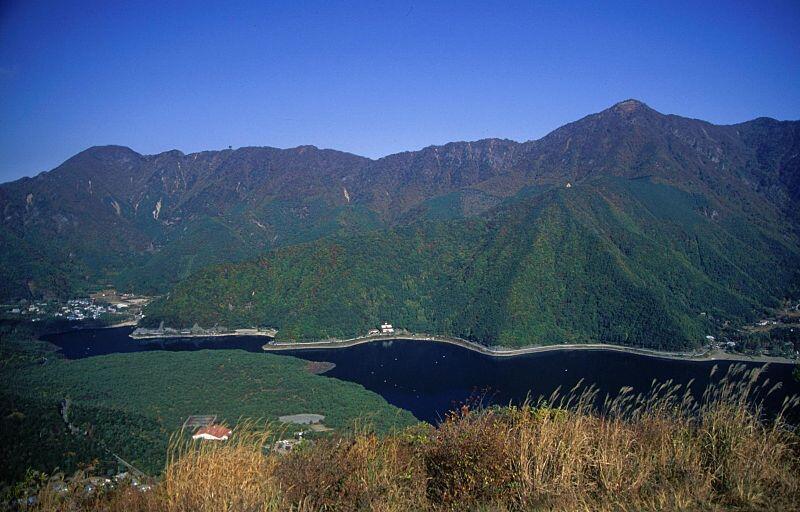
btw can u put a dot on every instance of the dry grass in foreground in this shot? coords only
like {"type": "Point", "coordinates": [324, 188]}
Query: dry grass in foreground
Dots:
{"type": "Point", "coordinates": [661, 451]}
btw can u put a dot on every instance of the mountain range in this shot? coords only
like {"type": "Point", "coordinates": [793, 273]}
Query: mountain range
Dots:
{"type": "Point", "coordinates": [627, 226]}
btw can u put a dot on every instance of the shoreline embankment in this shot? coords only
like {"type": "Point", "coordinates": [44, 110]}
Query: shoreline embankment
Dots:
{"type": "Point", "coordinates": [706, 355]}
{"type": "Point", "coordinates": [147, 334]}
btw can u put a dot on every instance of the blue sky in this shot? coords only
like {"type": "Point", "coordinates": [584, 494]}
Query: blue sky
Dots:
{"type": "Point", "coordinates": [372, 78]}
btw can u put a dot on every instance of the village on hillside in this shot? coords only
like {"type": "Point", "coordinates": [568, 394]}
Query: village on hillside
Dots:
{"type": "Point", "coordinates": [106, 307]}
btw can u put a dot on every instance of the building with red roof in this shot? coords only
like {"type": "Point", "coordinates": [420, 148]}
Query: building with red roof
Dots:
{"type": "Point", "coordinates": [213, 433]}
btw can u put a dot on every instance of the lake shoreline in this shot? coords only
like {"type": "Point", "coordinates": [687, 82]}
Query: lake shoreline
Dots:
{"type": "Point", "coordinates": [708, 355]}
{"type": "Point", "coordinates": [500, 352]}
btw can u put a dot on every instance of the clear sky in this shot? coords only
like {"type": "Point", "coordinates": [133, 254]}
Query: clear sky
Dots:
{"type": "Point", "coordinates": [372, 78]}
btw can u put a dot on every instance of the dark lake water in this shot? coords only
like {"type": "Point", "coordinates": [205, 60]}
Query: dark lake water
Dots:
{"type": "Point", "coordinates": [429, 379]}
{"type": "Point", "coordinates": [80, 343]}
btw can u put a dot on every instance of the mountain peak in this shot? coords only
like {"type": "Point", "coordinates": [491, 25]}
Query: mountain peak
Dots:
{"type": "Point", "coordinates": [104, 153]}
{"type": "Point", "coordinates": [630, 105]}
{"type": "Point", "coordinates": [109, 149]}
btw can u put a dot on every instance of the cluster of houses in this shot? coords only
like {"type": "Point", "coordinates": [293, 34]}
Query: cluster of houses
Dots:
{"type": "Point", "coordinates": [75, 309]}
{"type": "Point", "coordinates": [80, 309]}
{"type": "Point", "coordinates": [35, 310]}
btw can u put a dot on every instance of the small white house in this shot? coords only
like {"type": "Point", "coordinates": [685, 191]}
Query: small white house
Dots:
{"type": "Point", "coordinates": [387, 328]}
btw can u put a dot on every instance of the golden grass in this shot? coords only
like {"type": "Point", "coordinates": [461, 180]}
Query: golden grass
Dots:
{"type": "Point", "coordinates": [659, 451]}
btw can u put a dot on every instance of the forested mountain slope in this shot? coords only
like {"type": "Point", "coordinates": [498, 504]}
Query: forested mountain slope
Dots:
{"type": "Point", "coordinates": [141, 221]}
{"type": "Point", "coordinates": [623, 226]}
{"type": "Point", "coordinates": [615, 260]}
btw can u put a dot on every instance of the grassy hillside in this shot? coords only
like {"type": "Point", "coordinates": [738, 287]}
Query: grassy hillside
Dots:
{"type": "Point", "coordinates": [132, 403]}
{"type": "Point", "coordinates": [634, 262]}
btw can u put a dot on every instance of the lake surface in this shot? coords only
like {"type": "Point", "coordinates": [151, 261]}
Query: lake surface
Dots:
{"type": "Point", "coordinates": [430, 379]}
{"type": "Point", "coordinates": [80, 343]}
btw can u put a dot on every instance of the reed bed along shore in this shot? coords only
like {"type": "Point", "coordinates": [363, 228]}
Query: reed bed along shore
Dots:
{"type": "Point", "coordinates": [662, 450]}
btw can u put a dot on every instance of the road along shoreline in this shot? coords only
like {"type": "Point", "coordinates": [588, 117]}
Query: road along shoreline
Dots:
{"type": "Point", "coordinates": [707, 355]}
